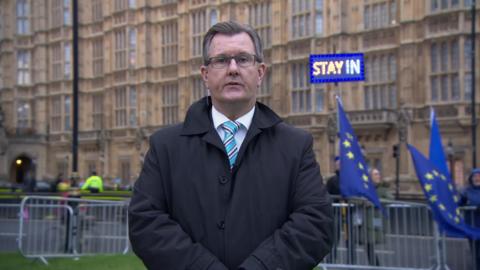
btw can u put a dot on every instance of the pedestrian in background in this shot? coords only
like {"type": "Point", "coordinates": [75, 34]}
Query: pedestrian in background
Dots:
{"type": "Point", "coordinates": [94, 183]}
{"type": "Point", "coordinates": [58, 180]}
{"type": "Point", "coordinates": [471, 197]}
{"type": "Point", "coordinates": [232, 187]}
{"type": "Point", "coordinates": [374, 232]}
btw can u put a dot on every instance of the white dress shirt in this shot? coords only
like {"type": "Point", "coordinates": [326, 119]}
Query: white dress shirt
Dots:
{"type": "Point", "coordinates": [244, 121]}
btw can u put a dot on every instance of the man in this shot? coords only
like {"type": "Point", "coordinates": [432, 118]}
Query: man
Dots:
{"type": "Point", "coordinates": [333, 182]}
{"type": "Point", "coordinates": [232, 187]}
{"type": "Point", "coordinates": [94, 183]}
{"type": "Point", "coordinates": [471, 197]}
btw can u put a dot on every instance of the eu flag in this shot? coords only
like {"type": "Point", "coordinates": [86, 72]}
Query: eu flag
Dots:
{"type": "Point", "coordinates": [355, 179]}
{"type": "Point", "coordinates": [441, 196]}
{"type": "Point", "coordinates": [436, 154]}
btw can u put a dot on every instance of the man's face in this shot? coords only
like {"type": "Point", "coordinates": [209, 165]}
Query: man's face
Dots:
{"type": "Point", "coordinates": [233, 84]}
{"type": "Point", "coordinates": [476, 179]}
{"type": "Point", "coordinates": [376, 176]}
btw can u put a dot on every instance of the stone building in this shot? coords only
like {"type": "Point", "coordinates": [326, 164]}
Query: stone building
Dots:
{"type": "Point", "coordinates": [139, 71]}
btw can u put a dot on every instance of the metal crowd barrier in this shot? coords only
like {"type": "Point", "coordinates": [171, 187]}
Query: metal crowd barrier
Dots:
{"type": "Point", "coordinates": [459, 252]}
{"type": "Point", "coordinates": [69, 227]}
{"type": "Point", "coordinates": [404, 238]}
{"type": "Point", "coordinates": [9, 226]}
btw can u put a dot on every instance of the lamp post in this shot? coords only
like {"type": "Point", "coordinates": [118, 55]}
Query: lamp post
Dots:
{"type": "Point", "coordinates": [450, 156]}
{"type": "Point", "coordinates": [332, 133]}
{"type": "Point", "coordinates": [402, 123]}
{"type": "Point", "coordinates": [473, 66]}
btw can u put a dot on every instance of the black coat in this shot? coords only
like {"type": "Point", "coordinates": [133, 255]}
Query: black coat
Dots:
{"type": "Point", "coordinates": [190, 211]}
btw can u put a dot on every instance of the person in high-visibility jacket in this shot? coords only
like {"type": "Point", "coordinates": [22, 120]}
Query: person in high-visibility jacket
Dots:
{"type": "Point", "coordinates": [94, 183]}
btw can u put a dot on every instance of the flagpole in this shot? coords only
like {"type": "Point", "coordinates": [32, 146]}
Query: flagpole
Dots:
{"type": "Point", "coordinates": [474, 119]}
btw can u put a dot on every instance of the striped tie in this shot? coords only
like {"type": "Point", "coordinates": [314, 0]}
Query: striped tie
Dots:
{"type": "Point", "coordinates": [230, 128]}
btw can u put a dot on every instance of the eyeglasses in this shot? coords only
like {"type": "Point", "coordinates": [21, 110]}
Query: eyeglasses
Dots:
{"type": "Point", "coordinates": [242, 60]}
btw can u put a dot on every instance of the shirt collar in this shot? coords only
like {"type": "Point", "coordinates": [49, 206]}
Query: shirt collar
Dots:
{"type": "Point", "coordinates": [219, 118]}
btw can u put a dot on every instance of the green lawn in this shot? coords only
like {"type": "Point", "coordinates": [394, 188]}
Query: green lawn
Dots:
{"type": "Point", "coordinates": [15, 261]}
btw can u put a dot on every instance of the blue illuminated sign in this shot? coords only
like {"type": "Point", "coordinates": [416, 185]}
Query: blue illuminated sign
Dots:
{"type": "Point", "coordinates": [337, 67]}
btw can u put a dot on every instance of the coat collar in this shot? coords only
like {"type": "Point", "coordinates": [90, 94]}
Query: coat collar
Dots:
{"type": "Point", "coordinates": [199, 120]}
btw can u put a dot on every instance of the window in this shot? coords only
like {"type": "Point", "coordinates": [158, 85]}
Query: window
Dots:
{"type": "Point", "coordinates": [260, 18]}
{"type": "Point", "coordinates": [264, 94]}
{"type": "Point", "coordinates": [66, 12]}
{"type": "Point", "coordinates": [1, 26]}
{"type": "Point", "coordinates": [199, 27]}
{"type": "Point", "coordinates": [379, 15]}
{"type": "Point", "coordinates": [67, 67]}
{"type": "Point", "coordinates": [23, 67]}
{"type": "Point", "coordinates": [62, 167]}
{"type": "Point", "coordinates": [91, 166]}
{"type": "Point", "coordinates": [23, 14]}
{"type": "Point", "coordinates": [97, 112]}
{"type": "Point", "coordinates": [300, 26]}
{"type": "Point", "coordinates": [169, 43]}
{"type": "Point", "coordinates": [125, 170]}
{"type": "Point", "coordinates": [319, 17]}
{"type": "Point", "coordinates": [120, 5]}
{"type": "Point", "coordinates": [197, 2]}
{"type": "Point", "coordinates": [132, 106]}
{"type": "Point", "coordinates": [125, 111]}
{"type": "Point", "coordinates": [439, 5]}
{"type": "Point", "coordinates": [57, 10]}
{"type": "Point", "coordinates": [23, 114]}
{"type": "Point", "coordinates": [380, 90]}
{"type": "Point", "coordinates": [199, 89]}
{"type": "Point", "coordinates": [366, 17]}
{"type": "Point", "coordinates": [97, 11]}
{"type": "Point", "coordinates": [132, 3]}
{"type": "Point", "coordinates": [120, 107]}
{"type": "Point", "coordinates": [319, 98]}
{"type": "Point", "coordinates": [301, 93]}
{"type": "Point", "coordinates": [1, 76]}
{"type": "Point", "coordinates": [170, 104]}
{"type": "Point", "coordinates": [60, 13]}
{"type": "Point", "coordinates": [56, 61]}
{"type": "Point", "coordinates": [97, 57]}
{"type": "Point", "coordinates": [66, 113]}
{"type": "Point", "coordinates": [132, 42]}
{"type": "Point", "coordinates": [61, 61]}
{"type": "Point", "coordinates": [60, 113]}
{"type": "Point", "coordinates": [445, 72]}
{"type": "Point", "coordinates": [56, 114]}
{"type": "Point", "coordinates": [467, 60]}
{"type": "Point", "coordinates": [120, 49]}
{"type": "Point", "coordinates": [213, 17]}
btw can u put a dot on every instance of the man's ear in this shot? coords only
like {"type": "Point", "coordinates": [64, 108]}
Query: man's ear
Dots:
{"type": "Point", "coordinates": [204, 72]}
{"type": "Point", "coordinates": [262, 69]}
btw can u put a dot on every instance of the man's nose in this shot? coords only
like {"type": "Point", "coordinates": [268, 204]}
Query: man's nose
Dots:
{"type": "Point", "coordinates": [232, 67]}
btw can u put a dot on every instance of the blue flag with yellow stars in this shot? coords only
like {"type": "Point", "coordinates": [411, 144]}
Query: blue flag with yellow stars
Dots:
{"type": "Point", "coordinates": [441, 196]}
{"type": "Point", "coordinates": [355, 178]}
{"type": "Point", "coordinates": [436, 154]}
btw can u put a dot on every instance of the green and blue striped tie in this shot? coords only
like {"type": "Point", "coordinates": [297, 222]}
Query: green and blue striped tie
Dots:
{"type": "Point", "coordinates": [230, 128]}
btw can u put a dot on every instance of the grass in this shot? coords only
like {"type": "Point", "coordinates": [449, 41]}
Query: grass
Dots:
{"type": "Point", "coordinates": [15, 261]}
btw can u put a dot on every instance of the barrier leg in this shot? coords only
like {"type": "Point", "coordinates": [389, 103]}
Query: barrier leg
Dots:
{"type": "Point", "coordinates": [43, 260]}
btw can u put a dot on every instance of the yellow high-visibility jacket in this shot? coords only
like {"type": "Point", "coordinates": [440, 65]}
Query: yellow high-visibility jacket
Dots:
{"type": "Point", "coordinates": [93, 181]}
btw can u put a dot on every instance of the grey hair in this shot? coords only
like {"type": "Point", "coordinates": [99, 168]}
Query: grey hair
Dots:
{"type": "Point", "coordinates": [231, 28]}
